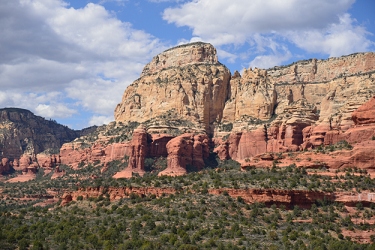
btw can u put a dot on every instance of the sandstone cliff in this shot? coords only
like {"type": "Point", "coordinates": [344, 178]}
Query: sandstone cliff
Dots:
{"type": "Point", "coordinates": [186, 90]}
{"type": "Point", "coordinates": [314, 103]}
{"type": "Point", "coordinates": [187, 81]}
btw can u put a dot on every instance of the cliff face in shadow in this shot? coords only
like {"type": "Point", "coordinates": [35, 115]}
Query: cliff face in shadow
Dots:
{"type": "Point", "coordinates": [22, 132]}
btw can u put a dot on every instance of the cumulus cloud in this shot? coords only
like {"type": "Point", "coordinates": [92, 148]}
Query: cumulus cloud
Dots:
{"type": "Point", "coordinates": [58, 111]}
{"type": "Point", "coordinates": [167, 1]}
{"type": "Point", "coordinates": [49, 104]}
{"type": "Point", "coordinates": [226, 55]}
{"type": "Point", "coordinates": [86, 55]}
{"type": "Point", "coordinates": [118, 2]}
{"type": "Point", "coordinates": [100, 120]}
{"type": "Point", "coordinates": [269, 60]}
{"type": "Point", "coordinates": [225, 22]}
{"type": "Point", "coordinates": [315, 26]}
{"type": "Point", "coordinates": [337, 39]}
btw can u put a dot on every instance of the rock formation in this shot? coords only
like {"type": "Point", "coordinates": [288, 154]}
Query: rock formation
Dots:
{"type": "Point", "coordinates": [76, 152]}
{"type": "Point", "coordinates": [365, 114]}
{"type": "Point", "coordinates": [187, 150]}
{"type": "Point", "coordinates": [138, 153]}
{"type": "Point", "coordinates": [189, 81]}
{"type": "Point", "coordinates": [5, 165]}
{"type": "Point", "coordinates": [186, 81]}
{"type": "Point", "coordinates": [184, 97]}
{"type": "Point", "coordinates": [252, 95]}
{"type": "Point", "coordinates": [22, 132]}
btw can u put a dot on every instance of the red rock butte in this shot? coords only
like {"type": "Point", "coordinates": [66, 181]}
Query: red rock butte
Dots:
{"type": "Point", "coordinates": [190, 104]}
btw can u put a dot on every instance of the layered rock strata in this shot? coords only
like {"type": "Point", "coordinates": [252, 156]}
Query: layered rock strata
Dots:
{"type": "Point", "coordinates": [138, 153]}
{"type": "Point", "coordinates": [184, 151]}
{"type": "Point", "coordinates": [289, 198]}
{"type": "Point", "coordinates": [187, 81]}
{"type": "Point", "coordinates": [185, 89]}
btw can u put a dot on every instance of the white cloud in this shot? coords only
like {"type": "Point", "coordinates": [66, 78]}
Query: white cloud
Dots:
{"type": "Point", "coordinates": [223, 22]}
{"type": "Point", "coordinates": [97, 94]}
{"type": "Point", "coordinates": [85, 55]}
{"type": "Point", "coordinates": [226, 55]}
{"type": "Point", "coordinates": [118, 2]}
{"type": "Point", "coordinates": [271, 60]}
{"type": "Point", "coordinates": [318, 26]}
{"type": "Point", "coordinates": [335, 40]}
{"type": "Point", "coordinates": [100, 120]}
{"type": "Point", "coordinates": [55, 111]}
{"type": "Point", "coordinates": [270, 52]}
{"type": "Point", "coordinates": [167, 1]}
{"type": "Point", "coordinates": [49, 104]}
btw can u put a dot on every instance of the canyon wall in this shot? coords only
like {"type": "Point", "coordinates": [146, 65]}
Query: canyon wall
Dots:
{"type": "Point", "coordinates": [289, 108]}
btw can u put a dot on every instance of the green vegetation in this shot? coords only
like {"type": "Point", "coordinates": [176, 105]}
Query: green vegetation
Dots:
{"type": "Point", "coordinates": [227, 127]}
{"type": "Point", "coordinates": [341, 145]}
{"type": "Point", "coordinates": [191, 218]}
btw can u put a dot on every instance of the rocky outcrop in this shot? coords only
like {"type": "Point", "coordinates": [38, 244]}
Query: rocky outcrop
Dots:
{"type": "Point", "coordinates": [289, 198]}
{"type": "Point", "coordinates": [313, 70]}
{"type": "Point", "coordinates": [250, 95]}
{"type": "Point", "coordinates": [284, 134]}
{"type": "Point", "coordinates": [48, 161]}
{"type": "Point", "coordinates": [365, 114]}
{"type": "Point", "coordinates": [57, 173]}
{"type": "Point", "coordinates": [288, 108]}
{"type": "Point", "coordinates": [187, 82]}
{"type": "Point", "coordinates": [184, 151]}
{"type": "Point", "coordinates": [356, 144]}
{"type": "Point", "coordinates": [184, 95]}
{"type": "Point", "coordinates": [194, 53]}
{"type": "Point", "coordinates": [362, 128]}
{"type": "Point", "coordinates": [22, 132]}
{"type": "Point", "coordinates": [5, 165]}
{"type": "Point", "coordinates": [138, 153]}
{"type": "Point", "coordinates": [76, 153]}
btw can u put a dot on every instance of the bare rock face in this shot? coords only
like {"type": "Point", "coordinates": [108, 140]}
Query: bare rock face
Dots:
{"type": "Point", "coordinates": [74, 153]}
{"type": "Point", "coordinates": [25, 161]}
{"type": "Point", "coordinates": [336, 86]}
{"type": "Point", "coordinates": [186, 81]}
{"type": "Point", "coordinates": [157, 145]}
{"type": "Point", "coordinates": [314, 70]}
{"type": "Point", "coordinates": [365, 114]}
{"type": "Point", "coordinates": [227, 149]}
{"type": "Point", "coordinates": [185, 150]}
{"type": "Point", "coordinates": [252, 94]}
{"type": "Point", "coordinates": [360, 128]}
{"type": "Point", "coordinates": [194, 53]}
{"type": "Point", "coordinates": [138, 153]}
{"type": "Point", "coordinates": [285, 133]}
{"type": "Point", "coordinates": [48, 161]}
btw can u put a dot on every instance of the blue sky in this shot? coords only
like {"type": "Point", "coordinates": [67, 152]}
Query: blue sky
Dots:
{"type": "Point", "coordinates": [72, 60]}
